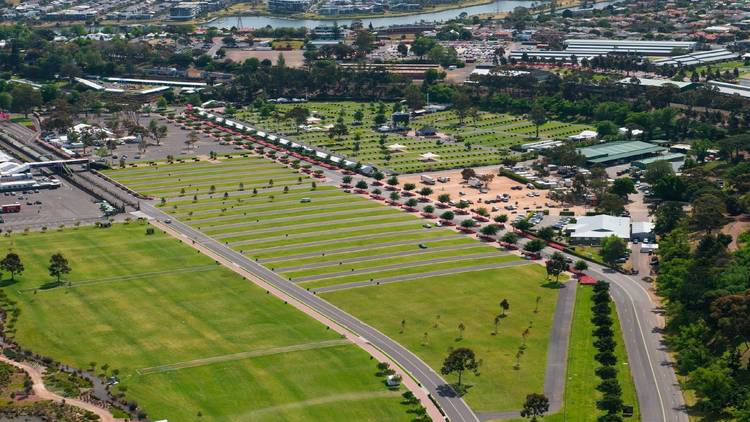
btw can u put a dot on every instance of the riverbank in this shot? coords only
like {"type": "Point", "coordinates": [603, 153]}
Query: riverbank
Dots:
{"type": "Point", "coordinates": [261, 10]}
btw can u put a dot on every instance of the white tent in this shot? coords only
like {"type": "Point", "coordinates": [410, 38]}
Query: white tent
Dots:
{"type": "Point", "coordinates": [396, 148]}
{"type": "Point", "coordinates": [428, 156]}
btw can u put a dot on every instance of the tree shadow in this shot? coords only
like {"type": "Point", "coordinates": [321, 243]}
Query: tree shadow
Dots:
{"type": "Point", "coordinates": [553, 285]}
{"type": "Point", "coordinates": [446, 390]}
{"type": "Point", "coordinates": [8, 282]}
{"type": "Point", "coordinates": [51, 285]}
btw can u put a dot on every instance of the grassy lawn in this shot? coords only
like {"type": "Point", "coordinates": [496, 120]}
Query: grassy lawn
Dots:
{"type": "Point", "coordinates": [580, 392]}
{"type": "Point", "coordinates": [483, 140]}
{"type": "Point", "coordinates": [437, 306]}
{"type": "Point", "coordinates": [139, 301]}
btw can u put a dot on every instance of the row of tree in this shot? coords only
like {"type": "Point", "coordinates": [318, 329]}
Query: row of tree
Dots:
{"type": "Point", "coordinates": [605, 343]}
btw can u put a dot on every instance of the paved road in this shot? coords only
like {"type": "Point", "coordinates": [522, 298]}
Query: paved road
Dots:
{"type": "Point", "coordinates": [363, 247]}
{"type": "Point", "coordinates": [557, 354]}
{"type": "Point", "coordinates": [454, 407]}
{"type": "Point", "coordinates": [443, 260]}
{"type": "Point", "coordinates": [659, 394]}
{"type": "Point", "coordinates": [410, 277]}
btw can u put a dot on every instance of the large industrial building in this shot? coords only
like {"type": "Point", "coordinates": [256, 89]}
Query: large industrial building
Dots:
{"type": "Point", "coordinates": [619, 152]}
{"type": "Point", "coordinates": [645, 48]}
{"type": "Point", "coordinates": [701, 57]}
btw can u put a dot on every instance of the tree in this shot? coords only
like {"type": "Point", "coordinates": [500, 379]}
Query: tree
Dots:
{"type": "Point", "coordinates": [523, 224]}
{"type": "Point", "coordinates": [504, 305]}
{"type": "Point", "coordinates": [489, 230]}
{"type": "Point", "coordinates": [556, 265]}
{"type": "Point", "coordinates": [12, 264]}
{"type": "Point", "coordinates": [299, 115]}
{"type": "Point", "coordinates": [611, 204]}
{"type": "Point", "coordinates": [459, 361]}
{"type": "Point", "coordinates": [534, 246]}
{"type": "Point", "coordinates": [546, 233]}
{"type": "Point", "coordinates": [468, 223]}
{"type": "Point", "coordinates": [535, 405]}
{"type": "Point", "coordinates": [468, 173]}
{"type": "Point", "coordinates": [448, 216]}
{"type": "Point", "coordinates": [361, 185]}
{"type": "Point", "coordinates": [157, 132]}
{"type": "Point", "coordinates": [24, 99]}
{"type": "Point", "coordinates": [58, 266]}
{"type": "Point", "coordinates": [502, 218]}
{"type": "Point", "coordinates": [414, 97]}
{"type": "Point", "coordinates": [191, 139]}
{"type": "Point", "coordinates": [461, 104]}
{"type": "Point", "coordinates": [538, 116]}
{"type": "Point", "coordinates": [402, 49]}
{"type": "Point", "coordinates": [622, 187]}
{"type": "Point", "coordinates": [613, 248]}
{"type": "Point", "coordinates": [668, 216]}
{"type": "Point", "coordinates": [510, 237]}
{"type": "Point", "coordinates": [425, 192]}
{"type": "Point", "coordinates": [581, 265]}
{"type": "Point", "coordinates": [657, 170]}
{"type": "Point", "coordinates": [708, 212]}
{"type": "Point", "coordinates": [444, 198]}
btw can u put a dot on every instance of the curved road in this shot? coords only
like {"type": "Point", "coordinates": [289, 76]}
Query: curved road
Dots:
{"type": "Point", "coordinates": [454, 407]}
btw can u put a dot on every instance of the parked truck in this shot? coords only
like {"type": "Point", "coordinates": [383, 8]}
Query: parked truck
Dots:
{"type": "Point", "coordinates": [427, 180]}
{"type": "Point", "coordinates": [10, 208]}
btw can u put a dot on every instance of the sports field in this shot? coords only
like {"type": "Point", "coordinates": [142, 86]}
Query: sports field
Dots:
{"type": "Point", "coordinates": [481, 140]}
{"type": "Point", "coordinates": [188, 336]}
{"type": "Point", "coordinates": [377, 259]}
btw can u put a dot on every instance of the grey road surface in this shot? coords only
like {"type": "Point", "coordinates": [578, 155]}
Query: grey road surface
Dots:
{"type": "Point", "coordinates": [454, 406]}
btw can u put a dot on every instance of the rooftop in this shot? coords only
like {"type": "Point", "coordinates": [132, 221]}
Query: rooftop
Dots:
{"type": "Point", "coordinates": [599, 226]}
{"type": "Point", "coordinates": [618, 150]}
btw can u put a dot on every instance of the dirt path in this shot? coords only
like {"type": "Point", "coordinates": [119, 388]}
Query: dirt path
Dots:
{"type": "Point", "coordinates": [41, 391]}
{"type": "Point", "coordinates": [736, 228]}
{"type": "Point", "coordinates": [407, 380]}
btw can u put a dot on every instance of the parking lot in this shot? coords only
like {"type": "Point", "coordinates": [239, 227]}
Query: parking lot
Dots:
{"type": "Point", "coordinates": [49, 207]}
{"type": "Point", "coordinates": [173, 144]}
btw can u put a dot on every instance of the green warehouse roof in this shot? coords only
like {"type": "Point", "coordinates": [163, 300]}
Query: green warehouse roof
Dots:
{"type": "Point", "coordinates": [618, 150]}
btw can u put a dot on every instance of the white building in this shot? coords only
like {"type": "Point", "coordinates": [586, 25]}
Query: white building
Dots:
{"type": "Point", "coordinates": [592, 229]}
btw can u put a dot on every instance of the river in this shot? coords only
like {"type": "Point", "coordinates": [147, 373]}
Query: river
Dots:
{"type": "Point", "coordinates": [444, 15]}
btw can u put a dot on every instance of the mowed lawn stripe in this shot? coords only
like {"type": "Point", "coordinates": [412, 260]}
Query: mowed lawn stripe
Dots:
{"type": "Point", "coordinates": [211, 206]}
{"type": "Point", "coordinates": [207, 172]}
{"type": "Point", "coordinates": [370, 254]}
{"type": "Point", "coordinates": [323, 223]}
{"type": "Point", "coordinates": [146, 320]}
{"type": "Point", "coordinates": [411, 270]}
{"type": "Point", "coordinates": [355, 252]}
{"type": "Point", "coordinates": [241, 355]}
{"type": "Point", "coordinates": [274, 210]}
{"type": "Point", "coordinates": [249, 177]}
{"type": "Point", "coordinates": [325, 235]}
{"type": "Point", "coordinates": [416, 256]}
{"type": "Point", "coordinates": [362, 241]}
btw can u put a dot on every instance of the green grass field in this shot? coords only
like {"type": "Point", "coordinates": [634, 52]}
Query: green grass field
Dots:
{"type": "Point", "coordinates": [437, 306]}
{"type": "Point", "coordinates": [580, 393]}
{"type": "Point", "coordinates": [339, 238]}
{"type": "Point", "coordinates": [482, 140]}
{"type": "Point", "coordinates": [186, 334]}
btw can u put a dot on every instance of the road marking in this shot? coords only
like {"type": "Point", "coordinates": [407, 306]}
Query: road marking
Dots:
{"type": "Point", "coordinates": [648, 355]}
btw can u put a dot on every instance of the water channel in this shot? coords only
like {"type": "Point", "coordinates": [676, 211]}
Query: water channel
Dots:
{"type": "Point", "coordinates": [440, 16]}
